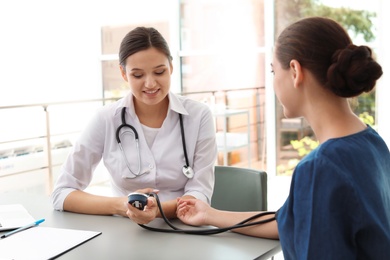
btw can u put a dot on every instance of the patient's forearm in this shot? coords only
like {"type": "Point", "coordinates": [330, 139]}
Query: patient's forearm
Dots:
{"type": "Point", "coordinates": [223, 219]}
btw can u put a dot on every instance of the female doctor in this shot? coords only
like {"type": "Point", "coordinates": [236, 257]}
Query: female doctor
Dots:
{"type": "Point", "coordinates": [151, 141]}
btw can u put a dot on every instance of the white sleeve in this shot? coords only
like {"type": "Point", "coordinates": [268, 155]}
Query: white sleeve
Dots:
{"type": "Point", "coordinates": [76, 172]}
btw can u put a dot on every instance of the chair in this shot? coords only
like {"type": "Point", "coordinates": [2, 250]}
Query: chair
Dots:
{"type": "Point", "coordinates": [239, 189]}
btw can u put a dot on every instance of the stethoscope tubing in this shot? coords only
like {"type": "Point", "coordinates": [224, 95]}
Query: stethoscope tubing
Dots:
{"type": "Point", "coordinates": [125, 125]}
{"type": "Point", "coordinates": [183, 139]}
{"type": "Point", "coordinates": [207, 231]}
{"type": "Point", "coordinates": [187, 170]}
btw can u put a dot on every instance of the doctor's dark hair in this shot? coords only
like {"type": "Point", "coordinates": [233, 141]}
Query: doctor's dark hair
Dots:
{"type": "Point", "coordinates": [139, 39]}
{"type": "Point", "coordinates": [323, 47]}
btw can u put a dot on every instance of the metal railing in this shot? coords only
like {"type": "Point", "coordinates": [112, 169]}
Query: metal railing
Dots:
{"type": "Point", "coordinates": [251, 99]}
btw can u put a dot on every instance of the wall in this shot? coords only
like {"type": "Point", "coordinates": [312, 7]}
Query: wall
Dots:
{"type": "Point", "coordinates": [49, 48]}
{"type": "Point", "coordinates": [383, 87]}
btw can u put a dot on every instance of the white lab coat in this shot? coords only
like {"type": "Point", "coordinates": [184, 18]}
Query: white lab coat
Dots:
{"type": "Point", "coordinates": [161, 164]}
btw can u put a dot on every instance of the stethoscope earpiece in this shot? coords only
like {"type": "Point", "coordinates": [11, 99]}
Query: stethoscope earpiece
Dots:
{"type": "Point", "coordinates": [188, 172]}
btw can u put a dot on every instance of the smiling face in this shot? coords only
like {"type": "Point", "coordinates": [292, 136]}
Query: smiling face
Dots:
{"type": "Point", "coordinates": [148, 73]}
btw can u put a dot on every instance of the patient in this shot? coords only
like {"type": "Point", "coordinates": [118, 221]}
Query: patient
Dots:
{"type": "Point", "coordinates": [339, 201]}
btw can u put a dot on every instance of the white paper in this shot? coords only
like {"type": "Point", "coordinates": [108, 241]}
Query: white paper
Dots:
{"type": "Point", "coordinates": [40, 243]}
{"type": "Point", "coordinates": [14, 216]}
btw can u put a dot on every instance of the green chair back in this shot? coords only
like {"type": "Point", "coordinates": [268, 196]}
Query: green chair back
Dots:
{"type": "Point", "coordinates": [239, 189]}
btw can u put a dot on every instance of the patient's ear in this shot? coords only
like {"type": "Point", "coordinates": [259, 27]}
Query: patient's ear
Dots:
{"type": "Point", "coordinates": [296, 72]}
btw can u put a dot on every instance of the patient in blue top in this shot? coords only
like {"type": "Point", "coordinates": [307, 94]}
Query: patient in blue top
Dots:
{"type": "Point", "coordinates": [339, 201]}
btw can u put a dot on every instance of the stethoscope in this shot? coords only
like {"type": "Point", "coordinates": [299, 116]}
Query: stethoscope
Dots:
{"type": "Point", "coordinates": [140, 200]}
{"type": "Point", "coordinates": [187, 170]}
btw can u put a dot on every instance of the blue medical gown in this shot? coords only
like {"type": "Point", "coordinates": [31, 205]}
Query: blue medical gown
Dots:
{"type": "Point", "coordinates": [339, 201]}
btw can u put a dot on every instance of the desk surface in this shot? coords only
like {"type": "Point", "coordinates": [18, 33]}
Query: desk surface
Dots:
{"type": "Point", "coordinates": [123, 239]}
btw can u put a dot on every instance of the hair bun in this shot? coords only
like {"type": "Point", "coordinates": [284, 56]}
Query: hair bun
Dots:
{"type": "Point", "coordinates": [353, 71]}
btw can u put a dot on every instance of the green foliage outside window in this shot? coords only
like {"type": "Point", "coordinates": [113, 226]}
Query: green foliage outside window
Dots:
{"type": "Point", "coordinates": [305, 145]}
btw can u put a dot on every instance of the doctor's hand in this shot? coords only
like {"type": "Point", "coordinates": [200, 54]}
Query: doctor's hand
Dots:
{"type": "Point", "coordinates": [193, 211]}
{"type": "Point", "coordinates": [149, 213]}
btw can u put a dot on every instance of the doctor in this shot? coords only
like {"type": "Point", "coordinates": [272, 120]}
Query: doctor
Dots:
{"type": "Point", "coordinates": [150, 140]}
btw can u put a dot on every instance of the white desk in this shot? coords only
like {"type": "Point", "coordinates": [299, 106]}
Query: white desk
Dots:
{"type": "Point", "coordinates": [123, 239]}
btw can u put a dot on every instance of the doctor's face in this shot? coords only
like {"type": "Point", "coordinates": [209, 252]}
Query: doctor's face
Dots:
{"type": "Point", "coordinates": [148, 74]}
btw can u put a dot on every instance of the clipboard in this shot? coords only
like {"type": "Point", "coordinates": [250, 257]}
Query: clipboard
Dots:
{"type": "Point", "coordinates": [40, 243]}
{"type": "Point", "coordinates": [14, 216]}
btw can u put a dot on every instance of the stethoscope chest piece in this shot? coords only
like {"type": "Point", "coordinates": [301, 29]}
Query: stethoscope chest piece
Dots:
{"type": "Point", "coordinates": [188, 172]}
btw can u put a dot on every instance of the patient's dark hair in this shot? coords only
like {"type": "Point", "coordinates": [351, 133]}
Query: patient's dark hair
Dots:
{"type": "Point", "coordinates": [323, 47]}
{"type": "Point", "coordinates": [139, 39]}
